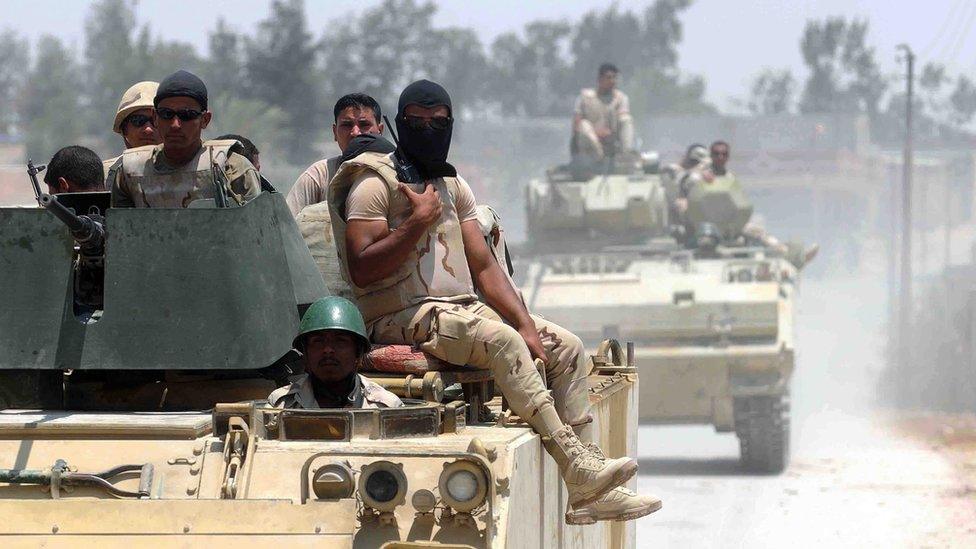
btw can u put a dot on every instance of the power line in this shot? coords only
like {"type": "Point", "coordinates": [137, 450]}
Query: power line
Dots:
{"type": "Point", "coordinates": [950, 17]}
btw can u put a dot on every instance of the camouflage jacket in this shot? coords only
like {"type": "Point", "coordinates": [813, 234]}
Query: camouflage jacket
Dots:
{"type": "Point", "coordinates": [299, 394]}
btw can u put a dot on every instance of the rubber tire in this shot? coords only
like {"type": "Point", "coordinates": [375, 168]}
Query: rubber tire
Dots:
{"type": "Point", "coordinates": [762, 424]}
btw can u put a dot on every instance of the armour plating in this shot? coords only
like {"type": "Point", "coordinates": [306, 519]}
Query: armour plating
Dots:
{"type": "Point", "coordinates": [437, 268]}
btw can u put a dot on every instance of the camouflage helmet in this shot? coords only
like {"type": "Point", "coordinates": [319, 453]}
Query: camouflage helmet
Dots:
{"type": "Point", "coordinates": [139, 96]}
{"type": "Point", "coordinates": [333, 313]}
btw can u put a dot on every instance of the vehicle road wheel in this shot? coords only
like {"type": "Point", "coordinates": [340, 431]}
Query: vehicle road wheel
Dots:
{"type": "Point", "coordinates": [762, 424]}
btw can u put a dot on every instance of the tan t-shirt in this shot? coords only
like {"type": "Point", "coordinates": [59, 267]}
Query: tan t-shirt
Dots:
{"type": "Point", "coordinates": [310, 188]}
{"type": "Point", "coordinates": [602, 110]}
{"type": "Point", "coordinates": [369, 199]}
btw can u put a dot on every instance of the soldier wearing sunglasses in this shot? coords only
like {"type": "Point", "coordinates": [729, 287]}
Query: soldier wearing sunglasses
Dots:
{"type": "Point", "coordinates": [134, 122]}
{"type": "Point", "coordinates": [183, 168]}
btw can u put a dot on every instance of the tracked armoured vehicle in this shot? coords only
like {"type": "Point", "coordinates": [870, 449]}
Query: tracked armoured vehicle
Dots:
{"type": "Point", "coordinates": [134, 376]}
{"type": "Point", "coordinates": [710, 311]}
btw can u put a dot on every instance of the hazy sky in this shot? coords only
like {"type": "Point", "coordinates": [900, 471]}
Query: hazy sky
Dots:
{"type": "Point", "coordinates": [727, 41]}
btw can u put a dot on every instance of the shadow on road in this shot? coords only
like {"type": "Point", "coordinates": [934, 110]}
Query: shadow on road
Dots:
{"type": "Point", "coordinates": [684, 466]}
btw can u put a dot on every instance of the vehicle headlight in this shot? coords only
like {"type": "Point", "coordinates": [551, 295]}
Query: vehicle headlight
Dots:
{"type": "Point", "coordinates": [333, 481]}
{"type": "Point", "coordinates": [463, 486]}
{"type": "Point", "coordinates": [382, 485]}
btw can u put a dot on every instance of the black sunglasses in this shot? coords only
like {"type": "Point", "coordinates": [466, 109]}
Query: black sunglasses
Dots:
{"type": "Point", "coordinates": [435, 123]}
{"type": "Point", "coordinates": [137, 120]}
{"type": "Point", "coordinates": [185, 115]}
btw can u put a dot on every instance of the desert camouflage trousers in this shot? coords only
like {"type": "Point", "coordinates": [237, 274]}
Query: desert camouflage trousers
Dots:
{"type": "Point", "coordinates": [473, 334]}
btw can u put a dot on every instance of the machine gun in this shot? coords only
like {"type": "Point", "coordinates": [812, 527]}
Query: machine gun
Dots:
{"type": "Point", "coordinates": [88, 232]}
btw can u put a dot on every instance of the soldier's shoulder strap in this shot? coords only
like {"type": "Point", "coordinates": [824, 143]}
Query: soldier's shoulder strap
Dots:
{"type": "Point", "coordinates": [134, 160]}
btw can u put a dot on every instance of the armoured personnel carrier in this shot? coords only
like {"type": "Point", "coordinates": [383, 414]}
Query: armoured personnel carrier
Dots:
{"type": "Point", "coordinates": [134, 378]}
{"type": "Point", "coordinates": [710, 311]}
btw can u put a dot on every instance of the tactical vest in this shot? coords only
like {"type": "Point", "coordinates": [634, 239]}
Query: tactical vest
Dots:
{"type": "Point", "coordinates": [316, 225]}
{"type": "Point", "coordinates": [491, 228]}
{"type": "Point", "coordinates": [179, 187]}
{"type": "Point", "coordinates": [435, 270]}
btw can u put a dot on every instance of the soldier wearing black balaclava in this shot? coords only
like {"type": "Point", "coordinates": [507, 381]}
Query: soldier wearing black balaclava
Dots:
{"type": "Point", "coordinates": [412, 250]}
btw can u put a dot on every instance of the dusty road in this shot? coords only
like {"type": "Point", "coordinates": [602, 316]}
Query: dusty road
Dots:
{"type": "Point", "coordinates": [856, 479]}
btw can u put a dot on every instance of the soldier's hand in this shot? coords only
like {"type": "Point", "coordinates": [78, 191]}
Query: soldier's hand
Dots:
{"type": "Point", "coordinates": [532, 341]}
{"type": "Point", "coordinates": [426, 206]}
{"type": "Point", "coordinates": [681, 204]}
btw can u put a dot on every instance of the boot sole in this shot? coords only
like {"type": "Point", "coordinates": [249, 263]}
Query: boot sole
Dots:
{"type": "Point", "coordinates": [621, 476]}
{"type": "Point", "coordinates": [584, 519]}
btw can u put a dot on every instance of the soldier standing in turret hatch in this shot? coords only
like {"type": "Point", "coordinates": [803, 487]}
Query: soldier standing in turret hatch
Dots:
{"type": "Point", "coordinates": [183, 168]}
{"type": "Point", "coordinates": [134, 122]}
{"type": "Point", "coordinates": [411, 248]}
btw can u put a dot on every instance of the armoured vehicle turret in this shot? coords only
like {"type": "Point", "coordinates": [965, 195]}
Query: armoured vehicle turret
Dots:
{"type": "Point", "coordinates": [710, 310]}
{"type": "Point", "coordinates": [134, 405]}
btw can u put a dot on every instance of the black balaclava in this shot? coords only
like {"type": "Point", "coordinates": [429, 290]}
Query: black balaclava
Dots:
{"type": "Point", "coordinates": [369, 142]}
{"type": "Point", "coordinates": [427, 148]}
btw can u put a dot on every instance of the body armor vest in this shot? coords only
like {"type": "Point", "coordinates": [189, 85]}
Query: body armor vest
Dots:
{"type": "Point", "coordinates": [178, 187]}
{"type": "Point", "coordinates": [436, 269]}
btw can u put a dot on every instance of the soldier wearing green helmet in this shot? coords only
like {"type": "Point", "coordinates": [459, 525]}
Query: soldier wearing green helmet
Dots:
{"type": "Point", "coordinates": [332, 337]}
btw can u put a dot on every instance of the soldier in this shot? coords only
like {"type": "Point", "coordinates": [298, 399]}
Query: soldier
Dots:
{"type": "Point", "coordinates": [719, 153]}
{"type": "Point", "coordinates": [679, 178]}
{"type": "Point", "coordinates": [246, 148]}
{"type": "Point", "coordinates": [74, 169]}
{"type": "Point", "coordinates": [134, 121]}
{"type": "Point", "coordinates": [355, 114]}
{"type": "Point", "coordinates": [182, 168]}
{"type": "Point", "coordinates": [602, 124]}
{"type": "Point", "coordinates": [332, 337]}
{"type": "Point", "coordinates": [411, 247]}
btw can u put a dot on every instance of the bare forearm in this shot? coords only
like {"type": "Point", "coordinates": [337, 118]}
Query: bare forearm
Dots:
{"type": "Point", "coordinates": [382, 258]}
{"type": "Point", "coordinates": [501, 297]}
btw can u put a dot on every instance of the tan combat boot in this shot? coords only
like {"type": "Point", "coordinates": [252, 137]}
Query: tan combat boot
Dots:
{"type": "Point", "coordinates": [588, 474]}
{"type": "Point", "coordinates": [619, 504]}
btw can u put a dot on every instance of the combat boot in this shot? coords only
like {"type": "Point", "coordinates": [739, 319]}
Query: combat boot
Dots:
{"type": "Point", "coordinates": [587, 473]}
{"type": "Point", "coordinates": [619, 504]}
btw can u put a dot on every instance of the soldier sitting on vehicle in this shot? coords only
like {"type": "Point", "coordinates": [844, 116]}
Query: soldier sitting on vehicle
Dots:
{"type": "Point", "coordinates": [412, 250]}
{"type": "Point", "coordinates": [74, 169]}
{"type": "Point", "coordinates": [332, 337]}
{"type": "Point", "coordinates": [183, 169]}
{"type": "Point", "coordinates": [602, 124]}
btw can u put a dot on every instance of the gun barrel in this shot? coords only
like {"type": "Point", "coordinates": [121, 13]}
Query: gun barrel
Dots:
{"type": "Point", "coordinates": [75, 224]}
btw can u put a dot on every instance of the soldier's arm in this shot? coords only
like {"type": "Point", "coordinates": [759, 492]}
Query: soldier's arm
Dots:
{"type": "Point", "coordinates": [495, 287]}
{"type": "Point", "coordinates": [375, 252]}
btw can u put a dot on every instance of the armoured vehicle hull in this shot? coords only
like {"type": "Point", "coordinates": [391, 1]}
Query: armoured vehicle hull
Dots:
{"type": "Point", "coordinates": [712, 328]}
{"type": "Point", "coordinates": [139, 418]}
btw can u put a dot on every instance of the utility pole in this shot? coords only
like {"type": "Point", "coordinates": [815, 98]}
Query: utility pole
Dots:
{"type": "Point", "coordinates": [905, 299]}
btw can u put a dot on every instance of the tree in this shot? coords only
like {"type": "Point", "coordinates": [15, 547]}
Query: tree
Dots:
{"type": "Point", "coordinates": [963, 102]}
{"type": "Point", "coordinates": [280, 66]}
{"type": "Point", "coordinates": [51, 104]}
{"type": "Point", "coordinates": [112, 61]}
{"type": "Point", "coordinates": [12, 78]}
{"type": "Point", "coordinates": [772, 92]}
{"type": "Point", "coordinates": [844, 75]}
{"type": "Point", "coordinates": [224, 63]}
{"type": "Point", "coordinates": [528, 76]}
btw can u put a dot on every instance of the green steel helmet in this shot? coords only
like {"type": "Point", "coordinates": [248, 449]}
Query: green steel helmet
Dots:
{"type": "Point", "coordinates": [333, 313]}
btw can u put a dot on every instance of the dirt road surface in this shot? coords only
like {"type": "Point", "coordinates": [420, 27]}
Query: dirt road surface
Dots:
{"type": "Point", "coordinates": [859, 477]}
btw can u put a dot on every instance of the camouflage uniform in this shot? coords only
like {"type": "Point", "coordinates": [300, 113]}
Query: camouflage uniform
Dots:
{"type": "Point", "coordinates": [299, 394]}
{"type": "Point", "coordinates": [430, 301]}
{"type": "Point", "coordinates": [315, 223]}
{"type": "Point", "coordinates": [145, 180]}
{"type": "Point", "coordinates": [603, 111]}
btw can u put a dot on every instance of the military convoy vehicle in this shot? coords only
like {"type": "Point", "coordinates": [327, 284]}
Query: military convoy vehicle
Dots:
{"type": "Point", "coordinates": [133, 379]}
{"type": "Point", "coordinates": [709, 310]}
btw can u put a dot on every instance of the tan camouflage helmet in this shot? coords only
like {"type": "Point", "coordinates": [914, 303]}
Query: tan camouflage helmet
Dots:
{"type": "Point", "coordinates": [139, 96]}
